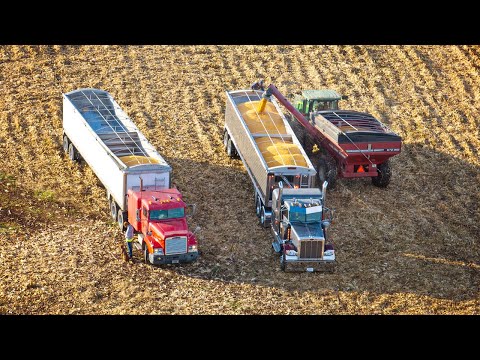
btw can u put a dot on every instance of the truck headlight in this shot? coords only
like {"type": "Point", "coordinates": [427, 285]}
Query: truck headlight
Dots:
{"type": "Point", "coordinates": [158, 251]}
{"type": "Point", "coordinates": [192, 248]}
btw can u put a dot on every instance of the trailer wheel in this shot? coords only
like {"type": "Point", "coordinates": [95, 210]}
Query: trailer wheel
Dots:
{"type": "Point", "coordinates": [145, 254]}
{"type": "Point", "coordinates": [327, 171]}
{"type": "Point", "coordinates": [225, 138]}
{"type": "Point", "coordinates": [263, 221]}
{"type": "Point", "coordinates": [384, 171]}
{"type": "Point", "coordinates": [231, 151]}
{"type": "Point", "coordinates": [258, 205]}
{"type": "Point", "coordinates": [121, 219]}
{"type": "Point", "coordinates": [283, 261]}
{"type": "Point", "coordinates": [65, 144]}
{"type": "Point", "coordinates": [72, 152]}
{"type": "Point", "coordinates": [113, 209]}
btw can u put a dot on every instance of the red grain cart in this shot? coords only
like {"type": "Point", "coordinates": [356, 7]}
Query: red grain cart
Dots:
{"type": "Point", "coordinates": [354, 144]}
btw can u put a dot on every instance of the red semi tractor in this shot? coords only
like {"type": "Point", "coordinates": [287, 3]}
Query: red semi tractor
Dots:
{"type": "Point", "coordinates": [135, 175]}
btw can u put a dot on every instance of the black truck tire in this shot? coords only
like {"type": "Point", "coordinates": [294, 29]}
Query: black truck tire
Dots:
{"type": "Point", "coordinates": [258, 205]}
{"type": "Point", "coordinates": [72, 152]}
{"type": "Point", "coordinates": [145, 254]}
{"type": "Point", "coordinates": [113, 209]}
{"type": "Point", "coordinates": [225, 138]}
{"type": "Point", "coordinates": [66, 143]}
{"type": "Point", "coordinates": [384, 171]}
{"type": "Point", "coordinates": [326, 171]}
{"type": "Point", "coordinates": [231, 151]}
{"type": "Point", "coordinates": [121, 216]}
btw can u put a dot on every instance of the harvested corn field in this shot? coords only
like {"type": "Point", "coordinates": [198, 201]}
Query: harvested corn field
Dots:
{"type": "Point", "coordinates": [412, 248]}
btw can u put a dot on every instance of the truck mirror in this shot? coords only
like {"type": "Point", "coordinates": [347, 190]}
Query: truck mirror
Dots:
{"type": "Point", "coordinates": [197, 229]}
{"type": "Point", "coordinates": [326, 224]}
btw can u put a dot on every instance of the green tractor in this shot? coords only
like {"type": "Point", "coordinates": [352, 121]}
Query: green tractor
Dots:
{"type": "Point", "coordinates": [316, 100]}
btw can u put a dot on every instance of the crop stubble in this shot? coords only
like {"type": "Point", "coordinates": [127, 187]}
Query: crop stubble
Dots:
{"type": "Point", "coordinates": [410, 248]}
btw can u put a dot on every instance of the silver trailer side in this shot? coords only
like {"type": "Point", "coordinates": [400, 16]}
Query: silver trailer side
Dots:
{"type": "Point", "coordinates": [96, 128]}
{"type": "Point", "coordinates": [264, 177]}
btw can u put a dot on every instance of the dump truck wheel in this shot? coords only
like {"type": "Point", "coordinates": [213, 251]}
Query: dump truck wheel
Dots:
{"type": "Point", "coordinates": [72, 152]}
{"type": "Point", "coordinates": [231, 152]}
{"type": "Point", "coordinates": [225, 139]}
{"type": "Point", "coordinates": [113, 209]}
{"type": "Point", "coordinates": [65, 143]}
{"type": "Point", "coordinates": [327, 171]}
{"type": "Point", "coordinates": [263, 220]}
{"type": "Point", "coordinates": [384, 171]}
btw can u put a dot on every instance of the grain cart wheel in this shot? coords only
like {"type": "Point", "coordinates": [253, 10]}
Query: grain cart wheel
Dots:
{"type": "Point", "coordinates": [258, 205]}
{"type": "Point", "coordinates": [65, 143]}
{"type": "Point", "coordinates": [231, 152]}
{"type": "Point", "coordinates": [145, 254]}
{"type": "Point", "coordinates": [225, 138]}
{"type": "Point", "coordinates": [72, 152]}
{"type": "Point", "coordinates": [113, 209]}
{"type": "Point", "coordinates": [384, 171]}
{"type": "Point", "coordinates": [122, 215]}
{"type": "Point", "coordinates": [327, 171]}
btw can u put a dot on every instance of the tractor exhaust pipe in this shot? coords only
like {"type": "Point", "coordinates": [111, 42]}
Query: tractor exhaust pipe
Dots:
{"type": "Point", "coordinates": [324, 192]}
{"type": "Point", "coordinates": [280, 194]}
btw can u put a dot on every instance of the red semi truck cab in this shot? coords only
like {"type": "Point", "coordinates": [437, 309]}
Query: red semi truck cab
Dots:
{"type": "Point", "coordinates": [159, 218]}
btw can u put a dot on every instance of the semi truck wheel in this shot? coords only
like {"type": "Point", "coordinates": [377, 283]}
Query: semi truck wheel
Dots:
{"type": "Point", "coordinates": [225, 138]}
{"type": "Point", "coordinates": [113, 209]}
{"type": "Point", "coordinates": [384, 171]}
{"type": "Point", "coordinates": [258, 205]}
{"type": "Point", "coordinates": [72, 152]}
{"type": "Point", "coordinates": [145, 254]}
{"type": "Point", "coordinates": [231, 152]}
{"type": "Point", "coordinates": [65, 143]}
{"type": "Point", "coordinates": [122, 215]}
{"type": "Point", "coordinates": [327, 171]}
{"type": "Point", "coordinates": [263, 220]}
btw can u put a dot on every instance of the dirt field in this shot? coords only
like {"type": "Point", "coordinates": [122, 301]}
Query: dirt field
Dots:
{"type": "Point", "coordinates": [412, 248]}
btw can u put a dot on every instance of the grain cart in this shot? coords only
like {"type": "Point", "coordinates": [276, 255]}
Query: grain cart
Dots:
{"type": "Point", "coordinates": [135, 175]}
{"type": "Point", "coordinates": [355, 144]}
{"type": "Point", "coordinates": [257, 132]}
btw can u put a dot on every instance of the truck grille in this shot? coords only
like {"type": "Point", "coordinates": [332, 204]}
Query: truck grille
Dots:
{"type": "Point", "coordinates": [311, 249]}
{"type": "Point", "coordinates": [176, 245]}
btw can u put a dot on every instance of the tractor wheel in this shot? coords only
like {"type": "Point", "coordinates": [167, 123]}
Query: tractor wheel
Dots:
{"type": "Point", "coordinates": [65, 143]}
{"type": "Point", "coordinates": [225, 138]}
{"type": "Point", "coordinates": [122, 215]}
{"type": "Point", "coordinates": [145, 254]}
{"type": "Point", "coordinates": [72, 152]}
{"type": "Point", "coordinates": [327, 171]}
{"type": "Point", "coordinates": [384, 171]}
{"type": "Point", "coordinates": [113, 209]}
{"type": "Point", "coordinates": [231, 152]}
{"type": "Point", "coordinates": [258, 205]}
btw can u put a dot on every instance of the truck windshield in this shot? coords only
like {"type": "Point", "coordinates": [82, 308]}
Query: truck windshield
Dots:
{"type": "Point", "coordinates": [167, 214]}
{"type": "Point", "coordinates": [301, 216]}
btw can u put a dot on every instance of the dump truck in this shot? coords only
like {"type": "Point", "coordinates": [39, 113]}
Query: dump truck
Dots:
{"type": "Point", "coordinates": [257, 132]}
{"type": "Point", "coordinates": [352, 144]}
{"type": "Point", "coordinates": [136, 177]}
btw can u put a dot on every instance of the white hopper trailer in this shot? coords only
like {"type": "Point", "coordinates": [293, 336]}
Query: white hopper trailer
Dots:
{"type": "Point", "coordinates": [97, 130]}
{"type": "Point", "coordinates": [267, 146]}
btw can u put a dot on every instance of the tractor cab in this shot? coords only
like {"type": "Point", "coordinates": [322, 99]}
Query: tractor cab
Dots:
{"type": "Point", "coordinates": [317, 100]}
